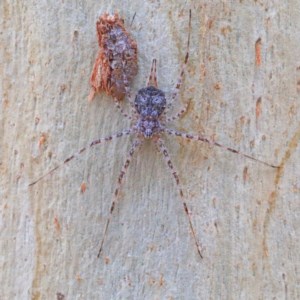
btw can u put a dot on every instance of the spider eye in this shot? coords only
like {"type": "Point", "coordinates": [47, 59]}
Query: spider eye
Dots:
{"type": "Point", "coordinates": [156, 100]}
{"type": "Point", "coordinates": [154, 113]}
{"type": "Point", "coordinates": [144, 112]}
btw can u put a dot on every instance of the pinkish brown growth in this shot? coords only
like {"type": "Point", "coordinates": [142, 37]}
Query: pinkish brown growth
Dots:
{"type": "Point", "coordinates": [116, 63]}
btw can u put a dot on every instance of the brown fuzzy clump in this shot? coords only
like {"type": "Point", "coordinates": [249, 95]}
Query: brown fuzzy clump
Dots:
{"type": "Point", "coordinates": [116, 63]}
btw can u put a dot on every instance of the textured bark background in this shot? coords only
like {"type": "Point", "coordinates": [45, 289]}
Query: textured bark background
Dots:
{"type": "Point", "coordinates": [243, 82]}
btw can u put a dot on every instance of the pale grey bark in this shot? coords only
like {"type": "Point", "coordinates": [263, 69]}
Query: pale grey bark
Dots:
{"type": "Point", "coordinates": [243, 79]}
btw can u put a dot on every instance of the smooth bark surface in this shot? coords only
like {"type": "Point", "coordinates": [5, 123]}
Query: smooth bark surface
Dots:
{"type": "Point", "coordinates": [243, 82]}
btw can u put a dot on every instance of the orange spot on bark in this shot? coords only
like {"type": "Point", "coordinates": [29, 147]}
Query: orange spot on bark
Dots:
{"type": "Point", "coordinates": [245, 174]}
{"type": "Point", "coordinates": [258, 52]}
{"type": "Point", "coordinates": [42, 140]}
{"type": "Point", "coordinates": [225, 30]}
{"type": "Point", "coordinates": [217, 86]}
{"type": "Point", "coordinates": [83, 187]}
{"type": "Point", "coordinates": [57, 225]}
{"type": "Point", "coordinates": [161, 280]}
{"type": "Point", "coordinates": [78, 278]}
{"type": "Point", "coordinates": [258, 108]}
{"type": "Point", "coordinates": [36, 120]}
{"type": "Point", "coordinates": [210, 23]}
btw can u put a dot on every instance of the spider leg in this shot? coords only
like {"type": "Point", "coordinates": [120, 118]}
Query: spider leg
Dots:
{"type": "Point", "coordinates": [152, 80]}
{"type": "Point", "coordinates": [179, 114]}
{"type": "Point", "coordinates": [213, 143]}
{"type": "Point", "coordinates": [131, 101]}
{"type": "Point", "coordinates": [136, 144]}
{"type": "Point", "coordinates": [162, 149]}
{"type": "Point", "coordinates": [120, 108]}
{"type": "Point", "coordinates": [96, 142]}
{"type": "Point", "coordinates": [180, 79]}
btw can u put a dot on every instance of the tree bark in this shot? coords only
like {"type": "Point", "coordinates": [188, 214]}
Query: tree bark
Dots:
{"type": "Point", "coordinates": [242, 81]}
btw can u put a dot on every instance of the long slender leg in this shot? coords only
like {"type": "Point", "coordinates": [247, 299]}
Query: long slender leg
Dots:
{"type": "Point", "coordinates": [120, 108]}
{"type": "Point", "coordinates": [213, 143]}
{"type": "Point", "coordinates": [152, 80]}
{"type": "Point", "coordinates": [179, 82]}
{"type": "Point", "coordinates": [179, 114]}
{"type": "Point", "coordinates": [136, 144]}
{"type": "Point", "coordinates": [162, 148]}
{"type": "Point", "coordinates": [131, 101]}
{"type": "Point", "coordinates": [96, 142]}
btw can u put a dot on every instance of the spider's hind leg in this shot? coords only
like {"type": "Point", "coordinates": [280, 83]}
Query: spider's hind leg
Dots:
{"type": "Point", "coordinates": [92, 144]}
{"type": "Point", "coordinates": [198, 137]}
{"type": "Point", "coordinates": [136, 144]}
{"type": "Point", "coordinates": [162, 149]}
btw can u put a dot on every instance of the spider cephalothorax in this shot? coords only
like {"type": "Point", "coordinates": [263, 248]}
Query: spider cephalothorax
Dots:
{"type": "Point", "coordinates": [150, 102]}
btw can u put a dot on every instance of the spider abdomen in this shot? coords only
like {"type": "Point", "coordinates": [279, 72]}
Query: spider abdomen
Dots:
{"type": "Point", "coordinates": [150, 102]}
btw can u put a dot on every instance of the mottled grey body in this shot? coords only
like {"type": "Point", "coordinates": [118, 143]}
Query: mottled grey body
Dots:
{"type": "Point", "coordinates": [150, 103]}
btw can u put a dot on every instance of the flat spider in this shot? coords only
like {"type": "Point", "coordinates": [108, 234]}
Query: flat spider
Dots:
{"type": "Point", "coordinates": [149, 121]}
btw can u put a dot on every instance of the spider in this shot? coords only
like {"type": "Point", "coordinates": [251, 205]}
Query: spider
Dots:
{"type": "Point", "coordinates": [149, 122]}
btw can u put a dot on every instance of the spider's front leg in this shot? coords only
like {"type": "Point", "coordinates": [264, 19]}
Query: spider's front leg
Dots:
{"type": "Point", "coordinates": [121, 110]}
{"type": "Point", "coordinates": [130, 99]}
{"type": "Point", "coordinates": [152, 79]}
{"type": "Point", "coordinates": [175, 94]}
{"type": "Point", "coordinates": [179, 114]}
